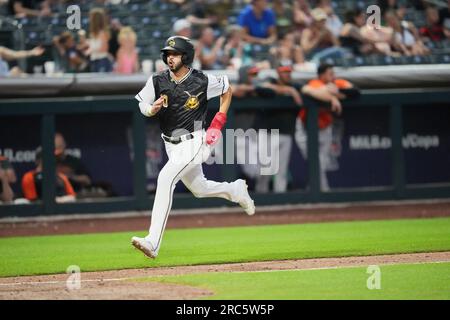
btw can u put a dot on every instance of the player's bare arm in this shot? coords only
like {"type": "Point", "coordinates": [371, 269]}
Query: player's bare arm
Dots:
{"type": "Point", "coordinates": [323, 94]}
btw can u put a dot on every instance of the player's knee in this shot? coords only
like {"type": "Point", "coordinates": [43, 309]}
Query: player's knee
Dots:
{"type": "Point", "coordinates": [197, 190]}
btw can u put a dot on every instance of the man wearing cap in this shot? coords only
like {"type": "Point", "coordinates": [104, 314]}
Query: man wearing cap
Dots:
{"type": "Point", "coordinates": [331, 90]}
{"type": "Point", "coordinates": [283, 119]}
{"type": "Point", "coordinates": [317, 41]}
{"type": "Point", "coordinates": [178, 97]}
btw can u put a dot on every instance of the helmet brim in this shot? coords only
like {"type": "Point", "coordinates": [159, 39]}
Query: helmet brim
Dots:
{"type": "Point", "coordinates": [168, 48]}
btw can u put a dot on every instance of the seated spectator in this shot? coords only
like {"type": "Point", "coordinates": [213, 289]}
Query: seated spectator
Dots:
{"type": "Point", "coordinates": [210, 50]}
{"type": "Point", "coordinates": [182, 27]}
{"type": "Point", "coordinates": [382, 38]}
{"type": "Point", "coordinates": [387, 5]}
{"type": "Point", "coordinates": [100, 60]}
{"type": "Point", "coordinates": [287, 52]}
{"type": "Point", "coordinates": [67, 48]}
{"type": "Point", "coordinates": [71, 166]}
{"type": "Point", "coordinates": [77, 173]}
{"type": "Point", "coordinates": [32, 183]}
{"type": "Point", "coordinates": [237, 53]}
{"type": "Point", "coordinates": [334, 23]}
{"type": "Point", "coordinates": [302, 15]}
{"type": "Point", "coordinates": [351, 36]}
{"type": "Point", "coordinates": [7, 177]}
{"type": "Point", "coordinates": [29, 8]}
{"type": "Point", "coordinates": [326, 88]}
{"type": "Point", "coordinates": [444, 15]}
{"type": "Point", "coordinates": [284, 16]}
{"type": "Point", "coordinates": [200, 15]}
{"type": "Point", "coordinates": [407, 39]}
{"type": "Point", "coordinates": [318, 42]}
{"type": "Point", "coordinates": [83, 42]}
{"type": "Point", "coordinates": [114, 29]}
{"type": "Point", "coordinates": [433, 31]}
{"type": "Point", "coordinates": [127, 60]}
{"type": "Point", "coordinates": [258, 22]}
{"type": "Point", "coordinates": [5, 164]}
{"type": "Point", "coordinates": [447, 29]}
{"type": "Point", "coordinates": [9, 55]}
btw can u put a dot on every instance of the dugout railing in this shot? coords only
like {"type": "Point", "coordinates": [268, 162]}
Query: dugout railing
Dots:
{"type": "Point", "coordinates": [48, 108]}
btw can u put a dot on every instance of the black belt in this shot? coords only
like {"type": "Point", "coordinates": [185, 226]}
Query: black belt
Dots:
{"type": "Point", "coordinates": [177, 140]}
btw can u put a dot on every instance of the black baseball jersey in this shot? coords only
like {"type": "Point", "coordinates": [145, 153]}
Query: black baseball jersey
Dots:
{"type": "Point", "coordinates": [185, 100]}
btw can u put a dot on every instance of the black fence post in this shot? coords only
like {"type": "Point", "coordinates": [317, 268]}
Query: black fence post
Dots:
{"type": "Point", "coordinates": [312, 129]}
{"type": "Point", "coordinates": [48, 163]}
{"type": "Point", "coordinates": [139, 160]}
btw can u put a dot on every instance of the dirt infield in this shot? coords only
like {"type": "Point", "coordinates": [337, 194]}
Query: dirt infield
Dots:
{"type": "Point", "coordinates": [123, 284]}
{"type": "Point", "coordinates": [304, 215]}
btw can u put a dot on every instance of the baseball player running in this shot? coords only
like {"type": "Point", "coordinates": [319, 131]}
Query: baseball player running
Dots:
{"type": "Point", "coordinates": [179, 98]}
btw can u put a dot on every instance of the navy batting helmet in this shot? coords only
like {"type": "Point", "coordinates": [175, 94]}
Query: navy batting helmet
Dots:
{"type": "Point", "coordinates": [179, 44]}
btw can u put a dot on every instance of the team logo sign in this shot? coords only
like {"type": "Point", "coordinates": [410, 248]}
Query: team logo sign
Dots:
{"type": "Point", "coordinates": [171, 43]}
{"type": "Point", "coordinates": [192, 102]}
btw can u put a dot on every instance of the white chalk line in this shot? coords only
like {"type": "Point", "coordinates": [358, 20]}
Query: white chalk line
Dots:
{"type": "Point", "coordinates": [250, 271]}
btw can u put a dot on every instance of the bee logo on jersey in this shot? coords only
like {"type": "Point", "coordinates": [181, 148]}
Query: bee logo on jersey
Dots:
{"type": "Point", "coordinates": [165, 100]}
{"type": "Point", "coordinates": [192, 102]}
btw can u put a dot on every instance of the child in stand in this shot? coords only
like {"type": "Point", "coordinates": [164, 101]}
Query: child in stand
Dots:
{"type": "Point", "coordinates": [127, 59]}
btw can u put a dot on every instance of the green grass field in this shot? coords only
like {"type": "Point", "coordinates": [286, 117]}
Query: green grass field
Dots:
{"type": "Point", "coordinates": [413, 281]}
{"type": "Point", "coordinates": [91, 252]}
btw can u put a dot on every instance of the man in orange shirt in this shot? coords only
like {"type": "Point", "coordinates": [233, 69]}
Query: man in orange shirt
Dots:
{"type": "Point", "coordinates": [326, 88]}
{"type": "Point", "coordinates": [32, 183]}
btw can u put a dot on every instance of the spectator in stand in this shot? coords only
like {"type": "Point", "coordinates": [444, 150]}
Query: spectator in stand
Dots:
{"type": "Point", "coordinates": [318, 42]}
{"type": "Point", "coordinates": [29, 8]}
{"type": "Point", "coordinates": [284, 16]}
{"type": "Point", "coordinates": [83, 43]}
{"type": "Point", "coordinates": [287, 52]}
{"type": "Point", "coordinates": [32, 183]}
{"type": "Point", "coordinates": [326, 88]}
{"type": "Point", "coordinates": [7, 177]}
{"type": "Point", "coordinates": [351, 36]}
{"type": "Point", "coordinates": [113, 43]}
{"type": "Point", "coordinates": [210, 50]}
{"type": "Point", "coordinates": [199, 14]}
{"type": "Point", "coordinates": [302, 15]}
{"type": "Point", "coordinates": [433, 31]}
{"type": "Point", "coordinates": [127, 60]}
{"type": "Point", "coordinates": [444, 16]}
{"type": "Point", "coordinates": [237, 53]}
{"type": "Point", "coordinates": [67, 49]}
{"type": "Point", "coordinates": [382, 38]}
{"type": "Point", "coordinates": [182, 27]}
{"type": "Point", "coordinates": [334, 23]}
{"type": "Point", "coordinates": [258, 22]}
{"type": "Point", "coordinates": [407, 38]}
{"type": "Point", "coordinates": [387, 5]}
{"type": "Point", "coordinates": [9, 55]}
{"type": "Point", "coordinates": [100, 60]}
